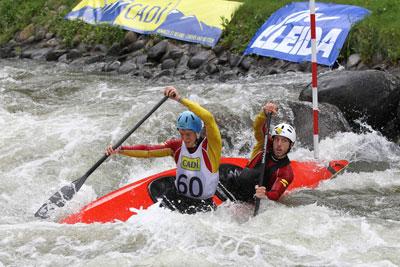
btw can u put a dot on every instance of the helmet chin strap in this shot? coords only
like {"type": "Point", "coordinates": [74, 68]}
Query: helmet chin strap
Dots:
{"type": "Point", "coordinates": [199, 138]}
{"type": "Point", "coordinates": [290, 147]}
{"type": "Point", "coordinates": [274, 157]}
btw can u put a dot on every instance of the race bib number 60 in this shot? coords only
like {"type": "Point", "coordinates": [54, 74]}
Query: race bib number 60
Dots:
{"type": "Point", "coordinates": [183, 186]}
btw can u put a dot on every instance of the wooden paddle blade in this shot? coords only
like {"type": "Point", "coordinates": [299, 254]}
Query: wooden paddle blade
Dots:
{"type": "Point", "coordinates": [57, 200]}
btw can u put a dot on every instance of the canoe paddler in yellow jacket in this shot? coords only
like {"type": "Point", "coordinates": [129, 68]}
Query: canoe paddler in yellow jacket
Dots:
{"type": "Point", "coordinates": [197, 158]}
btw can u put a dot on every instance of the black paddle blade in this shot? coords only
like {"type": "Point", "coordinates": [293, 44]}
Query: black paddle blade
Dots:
{"type": "Point", "coordinates": [57, 200]}
{"type": "Point", "coordinates": [67, 192]}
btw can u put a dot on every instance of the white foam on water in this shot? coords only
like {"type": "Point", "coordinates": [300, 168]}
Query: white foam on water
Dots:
{"type": "Point", "coordinates": [301, 235]}
{"type": "Point", "coordinates": [63, 128]}
{"type": "Point", "coordinates": [353, 147]}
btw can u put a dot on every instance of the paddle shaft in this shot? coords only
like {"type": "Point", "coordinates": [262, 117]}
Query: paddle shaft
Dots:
{"type": "Point", "coordinates": [66, 192]}
{"type": "Point", "coordinates": [79, 182]}
{"type": "Point", "coordinates": [263, 162]}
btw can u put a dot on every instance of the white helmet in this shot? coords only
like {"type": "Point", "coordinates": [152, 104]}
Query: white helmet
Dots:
{"type": "Point", "coordinates": [285, 130]}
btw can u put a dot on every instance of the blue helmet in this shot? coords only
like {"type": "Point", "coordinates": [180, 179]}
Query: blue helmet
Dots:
{"type": "Point", "coordinates": [187, 120]}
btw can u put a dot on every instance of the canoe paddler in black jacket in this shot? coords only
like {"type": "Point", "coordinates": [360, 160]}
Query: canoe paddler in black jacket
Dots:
{"type": "Point", "coordinates": [197, 158]}
{"type": "Point", "coordinates": [279, 173]}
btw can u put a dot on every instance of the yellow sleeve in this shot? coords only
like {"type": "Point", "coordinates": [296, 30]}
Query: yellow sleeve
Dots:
{"type": "Point", "coordinates": [147, 153]}
{"type": "Point", "coordinates": [213, 135]}
{"type": "Point", "coordinates": [258, 125]}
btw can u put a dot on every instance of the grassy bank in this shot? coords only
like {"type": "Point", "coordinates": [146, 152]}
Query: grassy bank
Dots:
{"type": "Point", "coordinates": [15, 15]}
{"type": "Point", "coordinates": [376, 38]}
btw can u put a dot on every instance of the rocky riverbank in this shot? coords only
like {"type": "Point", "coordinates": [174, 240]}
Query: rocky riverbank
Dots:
{"type": "Point", "coordinates": [158, 59]}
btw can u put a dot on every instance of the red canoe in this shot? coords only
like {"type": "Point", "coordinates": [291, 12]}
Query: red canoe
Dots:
{"type": "Point", "coordinates": [119, 205]}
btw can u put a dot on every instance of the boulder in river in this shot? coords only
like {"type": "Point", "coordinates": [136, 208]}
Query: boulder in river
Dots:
{"type": "Point", "coordinates": [370, 95]}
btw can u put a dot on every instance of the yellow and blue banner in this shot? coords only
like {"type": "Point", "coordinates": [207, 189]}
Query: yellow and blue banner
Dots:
{"type": "Point", "coordinates": [286, 34]}
{"type": "Point", "coordinates": [198, 21]}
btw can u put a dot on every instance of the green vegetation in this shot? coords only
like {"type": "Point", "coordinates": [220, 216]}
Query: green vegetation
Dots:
{"type": "Point", "coordinates": [17, 14]}
{"type": "Point", "coordinates": [376, 35]}
{"type": "Point", "coordinates": [375, 38]}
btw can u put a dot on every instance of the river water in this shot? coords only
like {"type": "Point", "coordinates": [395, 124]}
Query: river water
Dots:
{"type": "Point", "coordinates": [55, 124]}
